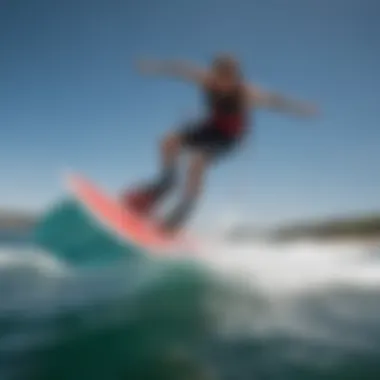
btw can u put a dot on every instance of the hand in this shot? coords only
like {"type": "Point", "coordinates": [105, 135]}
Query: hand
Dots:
{"type": "Point", "coordinates": [146, 66]}
{"type": "Point", "coordinates": [308, 111]}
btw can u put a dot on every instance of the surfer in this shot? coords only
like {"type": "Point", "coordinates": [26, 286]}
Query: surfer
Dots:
{"type": "Point", "coordinates": [229, 100]}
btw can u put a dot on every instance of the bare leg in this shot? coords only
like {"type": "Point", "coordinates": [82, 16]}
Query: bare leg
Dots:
{"type": "Point", "coordinates": [170, 150]}
{"type": "Point", "coordinates": [145, 196]}
{"type": "Point", "coordinates": [193, 189]}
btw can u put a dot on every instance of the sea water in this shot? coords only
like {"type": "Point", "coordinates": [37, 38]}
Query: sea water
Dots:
{"type": "Point", "coordinates": [305, 310]}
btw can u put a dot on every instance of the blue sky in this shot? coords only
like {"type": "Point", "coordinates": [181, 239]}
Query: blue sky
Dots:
{"type": "Point", "coordinates": [70, 97]}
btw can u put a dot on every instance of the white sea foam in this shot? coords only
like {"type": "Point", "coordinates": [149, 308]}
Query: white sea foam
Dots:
{"type": "Point", "coordinates": [295, 267]}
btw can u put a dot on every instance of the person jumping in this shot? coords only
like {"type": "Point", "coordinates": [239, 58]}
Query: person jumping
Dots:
{"type": "Point", "coordinates": [229, 99]}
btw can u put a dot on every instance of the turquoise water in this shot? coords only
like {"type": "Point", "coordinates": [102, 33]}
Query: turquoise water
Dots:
{"type": "Point", "coordinates": [301, 311]}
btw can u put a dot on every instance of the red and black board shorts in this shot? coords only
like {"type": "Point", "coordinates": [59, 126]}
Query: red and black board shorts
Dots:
{"type": "Point", "coordinates": [208, 138]}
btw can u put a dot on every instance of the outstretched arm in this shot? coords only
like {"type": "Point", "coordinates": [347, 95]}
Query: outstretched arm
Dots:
{"type": "Point", "coordinates": [278, 102]}
{"type": "Point", "coordinates": [183, 70]}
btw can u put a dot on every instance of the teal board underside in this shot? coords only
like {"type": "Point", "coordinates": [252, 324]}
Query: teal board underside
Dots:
{"type": "Point", "coordinates": [70, 232]}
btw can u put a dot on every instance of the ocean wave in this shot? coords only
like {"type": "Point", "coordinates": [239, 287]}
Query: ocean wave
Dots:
{"type": "Point", "coordinates": [236, 312]}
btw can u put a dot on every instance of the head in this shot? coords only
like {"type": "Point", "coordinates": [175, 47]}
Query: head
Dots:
{"type": "Point", "coordinates": [226, 67]}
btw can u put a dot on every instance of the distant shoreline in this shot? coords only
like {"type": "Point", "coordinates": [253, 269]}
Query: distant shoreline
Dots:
{"type": "Point", "coordinates": [16, 220]}
{"type": "Point", "coordinates": [355, 228]}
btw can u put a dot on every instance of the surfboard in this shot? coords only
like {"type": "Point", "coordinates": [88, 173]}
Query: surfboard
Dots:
{"type": "Point", "coordinates": [124, 223]}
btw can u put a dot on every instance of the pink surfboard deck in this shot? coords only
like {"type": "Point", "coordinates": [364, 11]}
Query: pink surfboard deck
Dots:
{"type": "Point", "coordinates": [123, 223]}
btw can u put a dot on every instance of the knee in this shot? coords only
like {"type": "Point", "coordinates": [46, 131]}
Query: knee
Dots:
{"type": "Point", "coordinates": [196, 173]}
{"type": "Point", "coordinates": [170, 144]}
{"type": "Point", "coordinates": [198, 165]}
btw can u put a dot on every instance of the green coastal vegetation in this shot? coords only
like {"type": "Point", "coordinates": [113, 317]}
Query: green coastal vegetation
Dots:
{"type": "Point", "coordinates": [16, 220]}
{"type": "Point", "coordinates": [358, 227]}
{"type": "Point", "coordinates": [349, 227]}
{"type": "Point", "coordinates": [363, 227]}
